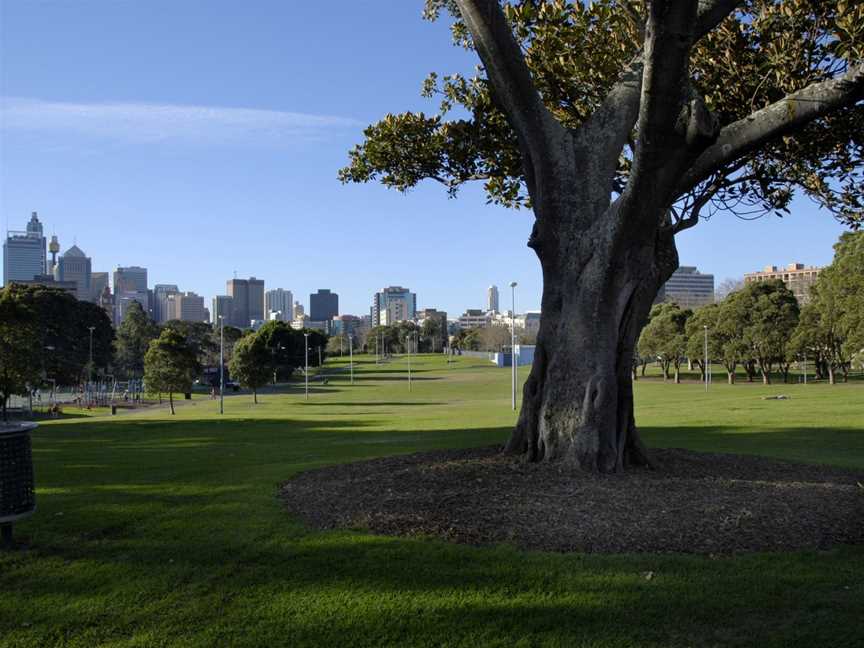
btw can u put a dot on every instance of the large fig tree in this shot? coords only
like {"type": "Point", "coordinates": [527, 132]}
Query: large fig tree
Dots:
{"type": "Point", "coordinates": [621, 123]}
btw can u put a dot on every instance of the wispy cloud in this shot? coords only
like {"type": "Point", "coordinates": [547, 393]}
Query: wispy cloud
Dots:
{"type": "Point", "coordinates": [145, 122]}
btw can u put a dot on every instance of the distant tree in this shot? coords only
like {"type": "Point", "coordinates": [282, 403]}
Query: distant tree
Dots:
{"type": "Point", "coordinates": [494, 338]}
{"type": "Point", "coordinates": [251, 364]}
{"type": "Point", "coordinates": [170, 365]}
{"type": "Point", "coordinates": [337, 345]}
{"type": "Point", "coordinates": [385, 337]}
{"type": "Point", "coordinates": [199, 336]}
{"type": "Point", "coordinates": [466, 340]}
{"type": "Point", "coordinates": [20, 343]}
{"type": "Point", "coordinates": [771, 315]}
{"type": "Point", "coordinates": [433, 334]}
{"type": "Point", "coordinates": [134, 335]}
{"type": "Point", "coordinates": [831, 329]}
{"type": "Point", "coordinates": [727, 287]}
{"type": "Point", "coordinates": [665, 337]}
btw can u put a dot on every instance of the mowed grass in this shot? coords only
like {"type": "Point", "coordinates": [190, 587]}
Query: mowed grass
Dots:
{"type": "Point", "coordinates": [155, 530]}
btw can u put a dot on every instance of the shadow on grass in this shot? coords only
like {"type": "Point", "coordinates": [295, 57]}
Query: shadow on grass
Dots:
{"type": "Point", "coordinates": [842, 446]}
{"type": "Point", "coordinates": [372, 403]}
{"type": "Point", "coordinates": [177, 530]}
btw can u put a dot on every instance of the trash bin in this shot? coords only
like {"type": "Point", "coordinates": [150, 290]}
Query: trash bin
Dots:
{"type": "Point", "coordinates": [17, 486]}
{"type": "Point", "coordinates": [113, 409]}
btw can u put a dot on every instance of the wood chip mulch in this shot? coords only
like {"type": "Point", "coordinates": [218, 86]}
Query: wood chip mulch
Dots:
{"type": "Point", "coordinates": [693, 502]}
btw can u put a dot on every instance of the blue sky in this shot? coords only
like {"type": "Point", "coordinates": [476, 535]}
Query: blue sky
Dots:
{"type": "Point", "coordinates": [200, 138]}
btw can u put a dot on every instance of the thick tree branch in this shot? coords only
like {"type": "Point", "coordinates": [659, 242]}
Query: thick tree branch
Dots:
{"type": "Point", "coordinates": [662, 127]}
{"type": "Point", "coordinates": [788, 115]}
{"type": "Point", "coordinates": [538, 131]}
{"type": "Point", "coordinates": [711, 13]}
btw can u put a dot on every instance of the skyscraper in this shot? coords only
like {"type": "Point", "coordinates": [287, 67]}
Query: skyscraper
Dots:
{"type": "Point", "coordinates": [492, 298]}
{"type": "Point", "coordinates": [74, 265]}
{"type": "Point", "coordinates": [280, 301]}
{"type": "Point", "coordinates": [130, 279]}
{"type": "Point", "coordinates": [323, 305]}
{"type": "Point", "coordinates": [190, 307]}
{"type": "Point", "coordinates": [24, 253]}
{"type": "Point", "coordinates": [688, 288]}
{"type": "Point", "coordinates": [248, 301]}
{"type": "Point", "coordinates": [393, 304]}
{"type": "Point", "coordinates": [130, 284]}
{"type": "Point", "coordinates": [223, 305]}
{"type": "Point", "coordinates": [161, 296]}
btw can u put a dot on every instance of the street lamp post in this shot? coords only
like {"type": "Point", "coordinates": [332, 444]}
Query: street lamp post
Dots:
{"type": "Point", "coordinates": [706, 357]}
{"type": "Point", "coordinates": [351, 355]}
{"type": "Point", "coordinates": [513, 345]}
{"type": "Point", "coordinates": [408, 343]}
{"type": "Point", "coordinates": [221, 364]}
{"type": "Point", "coordinates": [306, 368]}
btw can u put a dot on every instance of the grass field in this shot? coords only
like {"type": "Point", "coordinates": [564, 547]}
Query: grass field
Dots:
{"type": "Point", "coordinates": [155, 530]}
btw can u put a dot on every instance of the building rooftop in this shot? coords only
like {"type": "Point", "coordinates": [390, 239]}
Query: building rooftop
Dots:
{"type": "Point", "coordinates": [75, 251]}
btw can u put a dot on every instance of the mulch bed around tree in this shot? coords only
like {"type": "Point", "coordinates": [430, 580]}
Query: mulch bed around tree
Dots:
{"type": "Point", "coordinates": [693, 502]}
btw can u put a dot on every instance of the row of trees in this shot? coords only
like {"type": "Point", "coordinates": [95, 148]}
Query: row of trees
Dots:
{"type": "Point", "coordinates": [761, 329]}
{"type": "Point", "coordinates": [273, 353]}
{"type": "Point", "coordinates": [428, 337]}
{"type": "Point", "coordinates": [173, 359]}
{"type": "Point", "coordinates": [47, 334]}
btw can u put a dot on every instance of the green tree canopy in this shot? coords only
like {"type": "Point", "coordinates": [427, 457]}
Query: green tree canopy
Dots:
{"type": "Point", "coordinates": [252, 363]}
{"type": "Point", "coordinates": [577, 50]}
{"type": "Point", "coordinates": [665, 337]}
{"type": "Point", "coordinates": [831, 329]}
{"type": "Point", "coordinates": [170, 365]}
{"type": "Point", "coordinates": [771, 317]}
{"type": "Point", "coordinates": [20, 343]}
{"type": "Point", "coordinates": [134, 335]}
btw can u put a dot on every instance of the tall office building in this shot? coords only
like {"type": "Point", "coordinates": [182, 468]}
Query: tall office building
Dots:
{"type": "Point", "coordinates": [130, 285]}
{"type": "Point", "coordinates": [248, 302]}
{"type": "Point", "coordinates": [298, 310]}
{"type": "Point", "coordinates": [797, 277]}
{"type": "Point", "coordinates": [24, 253]}
{"type": "Point", "coordinates": [130, 279]}
{"type": "Point", "coordinates": [161, 306]}
{"type": "Point", "coordinates": [279, 301]}
{"type": "Point", "coordinates": [75, 266]}
{"type": "Point", "coordinates": [393, 304]}
{"type": "Point", "coordinates": [492, 298]}
{"type": "Point", "coordinates": [223, 306]}
{"type": "Point", "coordinates": [323, 305]}
{"type": "Point", "coordinates": [190, 307]}
{"type": "Point", "coordinates": [688, 288]}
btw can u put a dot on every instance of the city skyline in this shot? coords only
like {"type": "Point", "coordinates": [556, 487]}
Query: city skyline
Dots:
{"type": "Point", "coordinates": [184, 155]}
{"type": "Point", "coordinates": [137, 279]}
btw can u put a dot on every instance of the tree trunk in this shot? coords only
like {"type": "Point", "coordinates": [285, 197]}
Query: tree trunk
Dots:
{"type": "Point", "coordinates": [832, 380]}
{"type": "Point", "coordinates": [171, 401]}
{"type": "Point", "coordinates": [677, 374]}
{"type": "Point", "coordinates": [255, 396]}
{"type": "Point", "coordinates": [730, 377]}
{"type": "Point", "coordinates": [5, 414]}
{"type": "Point", "coordinates": [577, 403]}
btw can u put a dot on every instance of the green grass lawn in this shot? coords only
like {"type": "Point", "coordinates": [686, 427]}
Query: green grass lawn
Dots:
{"type": "Point", "coordinates": [155, 530]}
